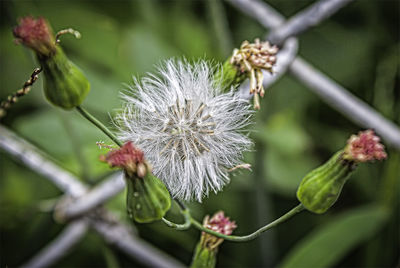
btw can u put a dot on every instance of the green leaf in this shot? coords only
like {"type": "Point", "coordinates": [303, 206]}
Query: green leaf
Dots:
{"type": "Point", "coordinates": [326, 246]}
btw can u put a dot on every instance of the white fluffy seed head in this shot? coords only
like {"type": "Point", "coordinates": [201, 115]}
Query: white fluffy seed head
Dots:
{"type": "Point", "coordinates": [189, 130]}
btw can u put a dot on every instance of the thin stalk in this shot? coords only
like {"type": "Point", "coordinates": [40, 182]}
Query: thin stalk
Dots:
{"type": "Point", "coordinates": [253, 235]}
{"type": "Point", "coordinates": [180, 227]}
{"type": "Point", "coordinates": [98, 124]}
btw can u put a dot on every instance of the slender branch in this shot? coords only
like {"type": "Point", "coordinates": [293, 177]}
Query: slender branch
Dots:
{"type": "Point", "coordinates": [60, 246]}
{"type": "Point", "coordinates": [115, 232]}
{"type": "Point", "coordinates": [119, 235]}
{"type": "Point", "coordinates": [4, 105]}
{"type": "Point", "coordinates": [40, 162]}
{"type": "Point", "coordinates": [303, 20]}
{"type": "Point", "coordinates": [98, 124]}
{"type": "Point", "coordinates": [345, 102]}
{"type": "Point", "coordinates": [331, 92]}
{"type": "Point", "coordinates": [93, 198]}
{"type": "Point", "coordinates": [264, 14]}
{"type": "Point", "coordinates": [255, 234]}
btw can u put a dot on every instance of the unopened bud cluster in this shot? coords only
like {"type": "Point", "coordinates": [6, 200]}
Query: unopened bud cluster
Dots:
{"type": "Point", "coordinates": [252, 58]}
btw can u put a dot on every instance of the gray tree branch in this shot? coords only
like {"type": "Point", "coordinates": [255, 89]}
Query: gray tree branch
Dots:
{"type": "Point", "coordinates": [331, 92]}
{"type": "Point", "coordinates": [112, 231]}
{"type": "Point", "coordinates": [94, 198]}
{"type": "Point", "coordinates": [118, 234]}
{"type": "Point", "coordinates": [303, 20]}
{"type": "Point", "coordinates": [40, 163]}
{"type": "Point", "coordinates": [60, 246]}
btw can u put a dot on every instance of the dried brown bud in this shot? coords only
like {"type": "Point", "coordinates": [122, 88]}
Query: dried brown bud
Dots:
{"type": "Point", "coordinates": [252, 58]}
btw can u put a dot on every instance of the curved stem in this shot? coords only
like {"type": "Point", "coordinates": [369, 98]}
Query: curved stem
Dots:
{"type": "Point", "coordinates": [253, 235]}
{"type": "Point", "coordinates": [98, 124]}
{"type": "Point", "coordinates": [180, 227]}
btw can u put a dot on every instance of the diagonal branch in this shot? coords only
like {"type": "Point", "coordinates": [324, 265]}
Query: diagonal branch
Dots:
{"type": "Point", "coordinates": [331, 92]}
{"type": "Point", "coordinates": [112, 231]}
{"type": "Point", "coordinates": [39, 162]}
{"type": "Point", "coordinates": [303, 20]}
{"type": "Point", "coordinates": [94, 198]}
{"type": "Point", "coordinates": [60, 246]}
{"type": "Point", "coordinates": [118, 234]}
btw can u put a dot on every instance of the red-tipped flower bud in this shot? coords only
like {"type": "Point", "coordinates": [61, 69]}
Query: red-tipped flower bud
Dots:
{"type": "Point", "coordinates": [35, 34]}
{"type": "Point", "coordinates": [65, 85]}
{"type": "Point", "coordinates": [320, 188]}
{"type": "Point", "coordinates": [205, 254]}
{"type": "Point", "coordinates": [364, 147]}
{"type": "Point", "coordinates": [147, 197]}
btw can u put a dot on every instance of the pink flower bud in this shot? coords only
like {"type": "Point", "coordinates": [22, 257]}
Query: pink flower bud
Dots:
{"type": "Point", "coordinates": [35, 34]}
{"type": "Point", "coordinates": [129, 158]}
{"type": "Point", "coordinates": [364, 147]}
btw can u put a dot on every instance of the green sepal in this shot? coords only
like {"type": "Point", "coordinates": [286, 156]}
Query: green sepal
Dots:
{"type": "Point", "coordinates": [320, 188]}
{"type": "Point", "coordinates": [204, 257]}
{"type": "Point", "coordinates": [147, 198]}
{"type": "Point", "coordinates": [229, 75]}
{"type": "Point", "coordinates": [65, 85]}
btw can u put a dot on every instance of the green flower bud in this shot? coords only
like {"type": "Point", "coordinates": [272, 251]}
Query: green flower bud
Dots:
{"type": "Point", "coordinates": [65, 85]}
{"type": "Point", "coordinates": [205, 254]}
{"type": "Point", "coordinates": [320, 188]}
{"type": "Point", "coordinates": [147, 197]}
{"type": "Point", "coordinates": [204, 257]}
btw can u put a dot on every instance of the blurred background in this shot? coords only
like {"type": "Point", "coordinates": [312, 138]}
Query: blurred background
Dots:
{"type": "Point", "coordinates": [294, 131]}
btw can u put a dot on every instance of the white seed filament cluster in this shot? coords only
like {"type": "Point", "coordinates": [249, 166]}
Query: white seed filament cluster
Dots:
{"type": "Point", "coordinates": [187, 126]}
{"type": "Point", "coordinates": [189, 130]}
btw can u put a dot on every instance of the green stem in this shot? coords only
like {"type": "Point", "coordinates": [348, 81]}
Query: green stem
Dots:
{"type": "Point", "coordinates": [254, 235]}
{"type": "Point", "coordinates": [180, 227]}
{"type": "Point", "coordinates": [98, 124]}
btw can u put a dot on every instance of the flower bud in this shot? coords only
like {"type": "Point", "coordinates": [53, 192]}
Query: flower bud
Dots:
{"type": "Point", "coordinates": [147, 197]}
{"type": "Point", "coordinates": [320, 188]}
{"type": "Point", "coordinates": [205, 255]}
{"type": "Point", "coordinates": [65, 85]}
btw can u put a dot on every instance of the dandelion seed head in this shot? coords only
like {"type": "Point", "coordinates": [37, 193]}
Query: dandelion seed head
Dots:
{"type": "Point", "coordinates": [189, 130]}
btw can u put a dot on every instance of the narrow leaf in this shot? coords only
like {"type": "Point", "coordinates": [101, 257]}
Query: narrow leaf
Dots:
{"type": "Point", "coordinates": [326, 246]}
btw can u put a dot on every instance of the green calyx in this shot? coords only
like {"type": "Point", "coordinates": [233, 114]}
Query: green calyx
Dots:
{"type": "Point", "coordinates": [147, 198]}
{"type": "Point", "coordinates": [65, 85]}
{"type": "Point", "coordinates": [229, 75]}
{"type": "Point", "coordinates": [320, 188]}
{"type": "Point", "coordinates": [204, 257]}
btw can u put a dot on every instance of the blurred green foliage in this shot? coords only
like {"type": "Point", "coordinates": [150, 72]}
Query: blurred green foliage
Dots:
{"type": "Point", "coordinates": [294, 132]}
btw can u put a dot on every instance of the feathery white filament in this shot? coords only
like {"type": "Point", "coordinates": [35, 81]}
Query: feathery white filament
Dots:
{"type": "Point", "coordinates": [187, 127]}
